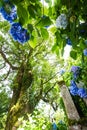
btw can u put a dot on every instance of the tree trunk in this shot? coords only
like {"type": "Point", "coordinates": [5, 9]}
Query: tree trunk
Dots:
{"type": "Point", "coordinates": [19, 100]}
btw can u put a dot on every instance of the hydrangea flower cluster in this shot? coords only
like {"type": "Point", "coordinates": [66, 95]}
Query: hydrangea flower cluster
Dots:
{"type": "Point", "coordinates": [74, 90]}
{"type": "Point", "coordinates": [18, 33]}
{"type": "Point", "coordinates": [82, 93]}
{"type": "Point", "coordinates": [68, 41]}
{"type": "Point", "coordinates": [85, 52]}
{"type": "Point", "coordinates": [9, 11]}
{"type": "Point", "coordinates": [54, 126]}
{"type": "Point", "coordinates": [76, 71]}
{"type": "Point", "coordinates": [61, 21]}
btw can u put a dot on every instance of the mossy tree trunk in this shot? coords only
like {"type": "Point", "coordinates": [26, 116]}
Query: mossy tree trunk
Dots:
{"type": "Point", "coordinates": [19, 100]}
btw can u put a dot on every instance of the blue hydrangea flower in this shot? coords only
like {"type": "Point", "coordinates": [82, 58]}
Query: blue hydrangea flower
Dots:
{"type": "Point", "coordinates": [54, 126]}
{"type": "Point", "coordinates": [68, 41]}
{"type": "Point", "coordinates": [73, 88]}
{"type": "Point", "coordinates": [82, 93]}
{"type": "Point", "coordinates": [62, 71]}
{"type": "Point", "coordinates": [9, 12]}
{"type": "Point", "coordinates": [76, 71]}
{"type": "Point", "coordinates": [75, 75]}
{"type": "Point", "coordinates": [61, 21]}
{"type": "Point", "coordinates": [85, 52]}
{"type": "Point", "coordinates": [72, 83]}
{"type": "Point", "coordinates": [18, 33]}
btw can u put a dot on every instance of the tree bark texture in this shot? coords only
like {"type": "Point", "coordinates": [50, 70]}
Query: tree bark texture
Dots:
{"type": "Point", "coordinates": [19, 100]}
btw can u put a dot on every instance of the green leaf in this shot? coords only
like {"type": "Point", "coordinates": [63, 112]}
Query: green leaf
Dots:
{"type": "Point", "coordinates": [45, 21]}
{"type": "Point", "coordinates": [34, 10]}
{"type": "Point", "coordinates": [22, 14]}
{"type": "Point", "coordinates": [38, 32]}
{"type": "Point", "coordinates": [30, 28]}
{"type": "Point", "coordinates": [54, 47]}
{"type": "Point", "coordinates": [1, 3]}
{"type": "Point", "coordinates": [31, 11]}
{"type": "Point", "coordinates": [73, 54]}
{"type": "Point", "coordinates": [33, 40]}
{"type": "Point", "coordinates": [44, 33]}
{"type": "Point", "coordinates": [16, 1]}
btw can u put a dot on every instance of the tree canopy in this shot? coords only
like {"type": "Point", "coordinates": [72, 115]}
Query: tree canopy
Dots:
{"type": "Point", "coordinates": [33, 36]}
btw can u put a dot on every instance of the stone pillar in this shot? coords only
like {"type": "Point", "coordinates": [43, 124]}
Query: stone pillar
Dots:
{"type": "Point", "coordinates": [75, 127]}
{"type": "Point", "coordinates": [85, 100]}
{"type": "Point", "coordinates": [69, 104]}
{"type": "Point", "coordinates": [70, 108]}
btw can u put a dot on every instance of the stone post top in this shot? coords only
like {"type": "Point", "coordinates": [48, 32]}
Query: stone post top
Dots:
{"type": "Point", "coordinates": [61, 83]}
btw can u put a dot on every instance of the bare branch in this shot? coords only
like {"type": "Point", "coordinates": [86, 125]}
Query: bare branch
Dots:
{"type": "Point", "coordinates": [6, 75]}
{"type": "Point", "coordinates": [7, 61]}
{"type": "Point", "coordinates": [50, 78]}
{"type": "Point", "coordinates": [2, 66]}
{"type": "Point", "coordinates": [50, 89]}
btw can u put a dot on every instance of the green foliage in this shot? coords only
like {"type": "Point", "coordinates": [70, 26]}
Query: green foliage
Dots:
{"type": "Point", "coordinates": [62, 125]}
{"type": "Point", "coordinates": [44, 21]}
{"type": "Point", "coordinates": [4, 105]}
{"type": "Point", "coordinates": [36, 17]}
{"type": "Point", "coordinates": [44, 33]}
{"type": "Point", "coordinates": [4, 102]}
{"type": "Point", "coordinates": [2, 122]}
{"type": "Point", "coordinates": [36, 121]}
{"type": "Point", "coordinates": [73, 54]}
{"type": "Point", "coordinates": [22, 14]}
{"type": "Point", "coordinates": [80, 105]}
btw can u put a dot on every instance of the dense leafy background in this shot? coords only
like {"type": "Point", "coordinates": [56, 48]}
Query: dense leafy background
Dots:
{"type": "Point", "coordinates": [37, 55]}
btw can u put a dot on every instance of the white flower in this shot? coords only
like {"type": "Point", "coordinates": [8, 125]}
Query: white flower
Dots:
{"type": "Point", "coordinates": [61, 21]}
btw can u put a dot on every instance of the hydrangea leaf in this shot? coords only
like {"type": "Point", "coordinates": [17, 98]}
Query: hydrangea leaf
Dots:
{"type": "Point", "coordinates": [44, 33]}
{"type": "Point", "coordinates": [54, 47]}
{"type": "Point", "coordinates": [16, 1]}
{"type": "Point", "coordinates": [22, 14]}
{"type": "Point", "coordinates": [73, 54]}
{"type": "Point", "coordinates": [1, 3]}
{"type": "Point", "coordinates": [33, 40]}
{"type": "Point", "coordinates": [34, 10]}
{"type": "Point", "coordinates": [45, 21]}
{"type": "Point", "coordinates": [30, 28]}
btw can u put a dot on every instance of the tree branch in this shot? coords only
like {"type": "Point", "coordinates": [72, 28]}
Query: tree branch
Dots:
{"type": "Point", "coordinates": [50, 78]}
{"type": "Point", "coordinates": [6, 75]}
{"type": "Point", "coordinates": [50, 89]}
{"type": "Point", "coordinates": [7, 61]}
{"type": "Point", "coordinates": [2, 66]}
